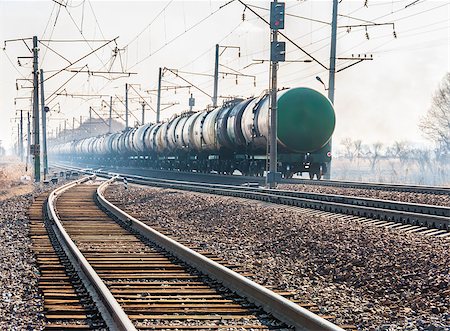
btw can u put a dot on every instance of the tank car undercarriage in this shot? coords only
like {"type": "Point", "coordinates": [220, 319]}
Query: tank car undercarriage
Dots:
{"type": "Point", "coordinates": [225, 164]}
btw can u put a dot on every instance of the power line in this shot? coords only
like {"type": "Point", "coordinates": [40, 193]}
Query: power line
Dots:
{"type": "Point", "coordinates": [149, 25]}
{"type": "Point", "coordinates": [181, 34]}
{"type": "Point", "coordinates": [284, 35]}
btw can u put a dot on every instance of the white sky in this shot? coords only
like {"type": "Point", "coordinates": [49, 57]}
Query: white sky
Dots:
{"type": "Point", "coordinates": [379, 100]}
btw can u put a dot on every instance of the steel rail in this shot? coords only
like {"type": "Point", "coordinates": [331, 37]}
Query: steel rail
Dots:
{"type": "Point", "coordinates": [111, 311]}
{"type": "Point", "coordinates": [403, 212]}
{"type": "Point", "coordinates": [280, 307]}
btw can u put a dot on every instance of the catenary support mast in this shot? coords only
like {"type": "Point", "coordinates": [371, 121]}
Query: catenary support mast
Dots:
{"type": "Point", "coordinates": [36, 149]}
{"type": "Point", "coordinates": [332, 70]}
{"type": "Point", "coordinates": [44, 126]}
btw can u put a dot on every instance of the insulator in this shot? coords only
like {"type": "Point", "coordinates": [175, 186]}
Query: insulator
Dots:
{"type": "Point", "coordinates": [395, 34]}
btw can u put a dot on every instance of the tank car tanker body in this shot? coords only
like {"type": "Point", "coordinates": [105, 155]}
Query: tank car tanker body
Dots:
{"type": "Point", "coordinates": [228, 138]}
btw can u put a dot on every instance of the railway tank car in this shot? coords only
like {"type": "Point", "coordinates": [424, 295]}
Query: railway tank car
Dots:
{"type": "Point", "coordinates": [228, 138]}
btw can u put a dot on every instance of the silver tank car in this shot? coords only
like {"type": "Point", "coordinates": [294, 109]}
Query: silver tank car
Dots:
{"type": "Point", "coordinates": [306, 122]}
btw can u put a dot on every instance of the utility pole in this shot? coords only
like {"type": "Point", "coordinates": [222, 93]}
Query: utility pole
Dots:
{"type": "Point", "coordinates": [65, 129]}
{"type": "Point", "coordinates": [110, 115]}
{"type": "Point", "coordinates": [44, 126]}
{"type": "Point", "coordinates": [126, 106]}
{"type": "Point", "coordinates": [21, 136]}
{"type": "Point", "coordinates": [90, 120]}
{"type": "Point", "coordinates": [332, 71]}
{"type": "Point", "coordinates": [36, 149]}
{"type": "Point", "coordinates": [73, 128]}
{"type": "Point", "coordinates": [216, 77]}
{"type": "Point", "coordinates": [18, 140]}
{"type": "Point", "coordinates": [143, 113]}
{"type": "Point", "coordinates": [28, 141]}
{"type": "Point", "coordinates": [277, 54]}
{"type": "Point", "coordinates": [158, 104]}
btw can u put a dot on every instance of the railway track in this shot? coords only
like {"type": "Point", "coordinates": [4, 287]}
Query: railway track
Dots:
{"type": "Point", "coordinates": [111, 265]}
{"type": "Point", "coordinates": [237, 180]}
{"type": "Point", "coordinates": [67, 304]}
{"type": "Point", "coordinates": [436, 218]}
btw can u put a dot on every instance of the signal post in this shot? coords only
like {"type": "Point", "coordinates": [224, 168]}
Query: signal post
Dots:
{"type": "Point", "coordinates": [277, 54]}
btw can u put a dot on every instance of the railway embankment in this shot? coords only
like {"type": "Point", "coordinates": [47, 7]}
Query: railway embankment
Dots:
{"type": "Point", "coordinates": [375, 278]}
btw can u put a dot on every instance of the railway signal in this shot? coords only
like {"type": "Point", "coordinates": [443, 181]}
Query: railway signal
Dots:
{"type": "Point", "coordinates": [277, 10]}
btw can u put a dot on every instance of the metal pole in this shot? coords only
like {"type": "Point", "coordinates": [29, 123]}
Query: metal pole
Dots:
{"type": "Point", "coordinates": [216, 76]}
{"type": "Point", "coordinates": [28, 140]}
{"type": "Point", "coordinates": [158, 105]}
{"type": "Point", "coordinates": [37, 158]}
{"type": "Point", "coordinates": [110, 114]}
{"type": "Point", "coordinates": [18, 140]}
{"type": "Point", "coordinates": [332, 70]}
{"type": "Point", "coordinates": [65, 129]}
{"type": "Point", "coordinates": [90, 120]}
{"type": "Point", "coordinates": [126, 106]}
{"type": "Point", "coordinates": [271, 176]}
{"type": "Point", "coordinates": [21, 136]}
{"type": "Point", "coordinates": [44, 126]}
{"type": "Point", "coordinates": [73, 128]}
{"type": "Point", "coordinates": [143, 113]}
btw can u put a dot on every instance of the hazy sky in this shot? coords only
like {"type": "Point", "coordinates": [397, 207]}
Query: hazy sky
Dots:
{"type": "Point", "coordinates": [378, 100]}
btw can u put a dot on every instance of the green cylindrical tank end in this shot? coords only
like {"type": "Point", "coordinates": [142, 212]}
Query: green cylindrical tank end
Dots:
{"type": "Point", "coordinates": [306, 119]}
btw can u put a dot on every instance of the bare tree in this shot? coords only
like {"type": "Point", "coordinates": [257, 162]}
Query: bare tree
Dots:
{"type": "Point", "coordinates": [348, 147]}
{"type": "Point", "coordinates": [375, 154]}
{"type": "Point", "coordinates": [357, 145]}
{"type": "Point", "coordinates": [436, 123]}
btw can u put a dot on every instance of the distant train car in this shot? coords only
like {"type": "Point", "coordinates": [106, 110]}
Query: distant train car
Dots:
{"type": "Point", "coordinates": [228, 138]}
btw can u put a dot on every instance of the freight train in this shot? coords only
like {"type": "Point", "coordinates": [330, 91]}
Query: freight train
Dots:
{"type": "Point", "coordinates": [225, 139]}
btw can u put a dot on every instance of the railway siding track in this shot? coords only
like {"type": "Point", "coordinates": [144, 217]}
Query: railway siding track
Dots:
{"type": "Point", "coordinates": [373, 186]}
{"type": "Point", "coordinates": [237, 180]}
{"type": "Point", "coordinates": [400, 212]}
{"type": "Point", "coordinates": [430, 216]}
{"type": "Point", "coordinates": [165, 285]}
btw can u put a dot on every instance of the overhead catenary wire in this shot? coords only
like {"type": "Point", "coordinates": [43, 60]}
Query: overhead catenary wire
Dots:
{"type": "Point", "coordinates": [181, 34]}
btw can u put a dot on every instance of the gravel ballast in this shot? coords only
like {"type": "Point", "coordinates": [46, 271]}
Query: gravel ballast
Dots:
{"type": "Point", "coordinates": [21, 304]}
{"type": "Point", "coordinates": [422, 198]}
{"type": "Point", "coordinates": [375, 278]}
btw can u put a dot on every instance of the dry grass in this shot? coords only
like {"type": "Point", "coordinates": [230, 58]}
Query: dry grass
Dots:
{"type": "Point", "coordinates": [11, 183]}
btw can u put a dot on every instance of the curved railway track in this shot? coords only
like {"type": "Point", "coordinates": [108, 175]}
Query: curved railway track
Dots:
{"type": "Point", "coordinates": [413, 215]}
{"type": "Point", "coordinates": [134, 277]}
